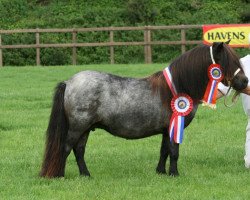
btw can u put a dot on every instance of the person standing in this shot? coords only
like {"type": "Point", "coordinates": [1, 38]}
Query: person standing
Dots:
{"type": "Point", "coordinates": [222, 89]}
{"type": "Point", "coordinates": [246, 105]}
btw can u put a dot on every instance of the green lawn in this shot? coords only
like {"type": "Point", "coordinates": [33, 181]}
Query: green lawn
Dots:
{"type": "Point", "coordinates": [211, 157]}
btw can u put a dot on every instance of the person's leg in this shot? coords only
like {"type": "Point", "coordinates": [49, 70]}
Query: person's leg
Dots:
{"type": "Point", "coordinates": [247, 145]}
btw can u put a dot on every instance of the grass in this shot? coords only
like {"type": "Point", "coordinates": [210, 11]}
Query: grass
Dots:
{"type": "Point", "coordinates": [211, 157]}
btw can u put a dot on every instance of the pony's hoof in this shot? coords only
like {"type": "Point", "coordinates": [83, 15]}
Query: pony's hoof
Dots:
{"type": "Point", "coordinates": [173, 174]}
{"type": "Point", "coordinates": [85, 175]}
{"type": "Point", "coordinates": [161, 171]}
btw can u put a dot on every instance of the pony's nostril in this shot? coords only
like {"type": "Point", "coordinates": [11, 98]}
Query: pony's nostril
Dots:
{"type": "Point", "coordinates": [244, 83]}
{"type": "Point", "coordinates": [246, 80]}
{"type": "Point", "coordinates": [240, 83]}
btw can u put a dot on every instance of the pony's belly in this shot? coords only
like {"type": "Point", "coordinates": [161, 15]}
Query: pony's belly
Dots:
{"type": "Point", "coordinates": [134, 134]}
{"type": "Point", "coordinates": [134, 121]}
{"type": "Point", "coordinates": [134, 129]}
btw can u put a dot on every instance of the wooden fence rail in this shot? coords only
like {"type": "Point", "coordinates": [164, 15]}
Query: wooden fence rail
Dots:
{"type": "Point", "coordinates": [147, 42]}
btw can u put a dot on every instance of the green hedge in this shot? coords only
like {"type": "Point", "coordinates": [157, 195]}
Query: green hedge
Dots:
{"type": "Point", "coordinates": [17, 14]}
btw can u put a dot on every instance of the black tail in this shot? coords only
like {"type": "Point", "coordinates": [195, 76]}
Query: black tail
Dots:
{"type": "Point", "coordinates": [54, 157]}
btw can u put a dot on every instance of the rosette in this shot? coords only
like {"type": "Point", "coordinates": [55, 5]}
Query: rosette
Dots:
{"type": "Point", "coordinates": [215, 76]}
{"type": "Point", "coordinates": [181, 105]}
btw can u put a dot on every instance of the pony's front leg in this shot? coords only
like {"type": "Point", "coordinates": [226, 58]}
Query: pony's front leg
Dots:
{"type": "Point", "coordinates": [174, 155]}
{"type": "Point", "coordinates": [161, 167]}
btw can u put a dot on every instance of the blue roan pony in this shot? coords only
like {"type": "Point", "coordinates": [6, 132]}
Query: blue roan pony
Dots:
{"type": "Point", "coordinates": [128, 107]}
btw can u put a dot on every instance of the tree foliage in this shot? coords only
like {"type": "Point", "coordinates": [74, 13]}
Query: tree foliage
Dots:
{"type": "Point", "coordinates": [17, 14]}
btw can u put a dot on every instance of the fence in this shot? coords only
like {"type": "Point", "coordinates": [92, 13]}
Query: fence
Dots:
{"type": "Point", "coordinates": [147, 41]}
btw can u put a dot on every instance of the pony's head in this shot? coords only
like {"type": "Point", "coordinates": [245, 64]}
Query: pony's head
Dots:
{"type": "Point", "coordinates": [233, 73]}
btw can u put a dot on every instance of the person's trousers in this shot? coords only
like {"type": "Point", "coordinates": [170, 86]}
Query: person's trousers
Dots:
{"type": "Point", "coordinates": [247, 145]}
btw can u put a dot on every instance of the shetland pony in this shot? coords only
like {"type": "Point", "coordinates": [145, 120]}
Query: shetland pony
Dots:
{"type": "Point", "coordinates": [128, 107]}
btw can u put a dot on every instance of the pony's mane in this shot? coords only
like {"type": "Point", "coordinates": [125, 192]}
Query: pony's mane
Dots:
{"type": "Point", "coordinates": [186, 70]}
{"type": "Point", "coordinates": [160, 87]}
{"type": "Point", "coordinates": [189, 71]}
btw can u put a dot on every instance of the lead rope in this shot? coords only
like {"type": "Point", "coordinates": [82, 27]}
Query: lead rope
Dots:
{"type": "Point", "coordinates": [234, 99]}
{"type": "Point", "coordinates": [235, 96]}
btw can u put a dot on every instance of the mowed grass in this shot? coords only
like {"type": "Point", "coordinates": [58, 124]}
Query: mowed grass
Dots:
{"type": "Point", "coordinates": [210, 164]}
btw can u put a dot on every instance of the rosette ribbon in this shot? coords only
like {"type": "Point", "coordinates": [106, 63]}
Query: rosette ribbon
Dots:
{"type": "Point", "coordinates": [181, 105]}
{"type": "Point", "coordinates": [215, 76]}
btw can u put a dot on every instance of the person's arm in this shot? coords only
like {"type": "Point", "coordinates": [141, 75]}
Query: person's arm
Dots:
{"type": "Point", "coordinates": [222, 90]}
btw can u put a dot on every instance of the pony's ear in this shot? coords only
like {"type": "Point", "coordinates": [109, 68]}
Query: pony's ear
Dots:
{"type": "Point", "coordinates": [227, 42]}
{"type": "Point", "coordinates": [217, 46]}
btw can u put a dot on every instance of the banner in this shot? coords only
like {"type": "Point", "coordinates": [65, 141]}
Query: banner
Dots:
{"type": "Point", "coordinates": [239, 34]}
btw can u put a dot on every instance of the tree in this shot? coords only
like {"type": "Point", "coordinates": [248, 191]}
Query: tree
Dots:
{"type": "Point", "coordinates": [141, 11]}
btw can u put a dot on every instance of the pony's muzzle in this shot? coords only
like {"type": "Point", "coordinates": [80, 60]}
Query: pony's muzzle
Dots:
{"type": "Point", "coordinates": [239, 82]}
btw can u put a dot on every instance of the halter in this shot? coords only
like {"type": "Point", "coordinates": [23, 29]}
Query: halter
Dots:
{"type": "Point", "coordinates": [236, 94]}
{"type": "Point", "coordinates": [211, 54]}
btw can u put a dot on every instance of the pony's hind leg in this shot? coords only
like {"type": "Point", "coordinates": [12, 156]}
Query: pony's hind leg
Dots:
{"type": "Point", "coordinates": [161, 167]}
{"type": "Point", "coordinates": [71, 140]}
{"type": "Point", "coordinates": [79, 150]}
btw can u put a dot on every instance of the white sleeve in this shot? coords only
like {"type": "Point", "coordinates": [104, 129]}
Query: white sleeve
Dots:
{"type": "Point", "coordinates": [245, 61]}
{"type": "Point", "coordinates": [223, 89]}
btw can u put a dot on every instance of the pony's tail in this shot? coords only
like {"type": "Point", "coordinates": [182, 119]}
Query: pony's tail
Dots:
{"type": "Point", "coordinates": [54, 156]}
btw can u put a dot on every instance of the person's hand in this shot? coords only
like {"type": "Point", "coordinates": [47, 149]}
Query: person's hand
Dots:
{"type": "Point", "coordinates": [219, 94]}
{"type": "Point", "coordinates": [246, 90]}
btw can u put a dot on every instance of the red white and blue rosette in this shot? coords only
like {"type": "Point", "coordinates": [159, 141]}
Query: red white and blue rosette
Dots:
{"type": "Point", "coordinates": [215, 76]}
{"type": "Point", "coordinates": [181, 105]}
